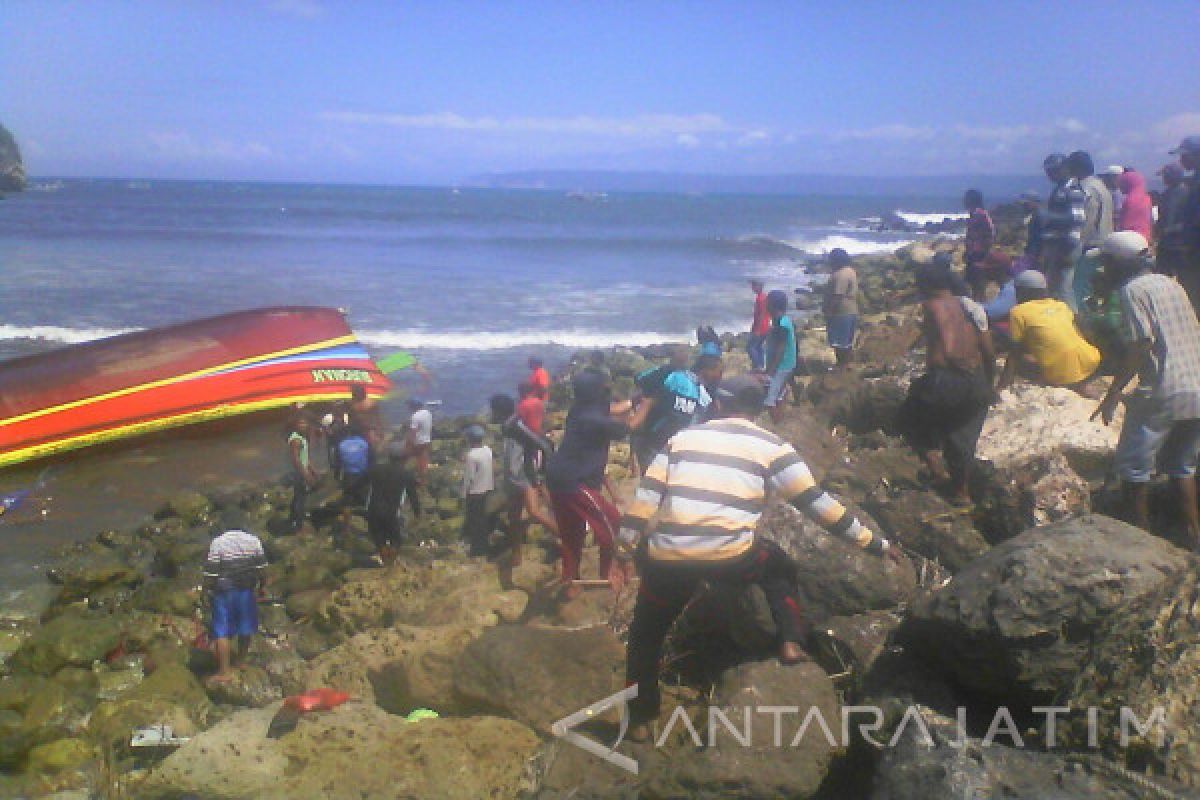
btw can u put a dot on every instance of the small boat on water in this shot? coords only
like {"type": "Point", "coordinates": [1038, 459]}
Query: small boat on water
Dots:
{"type": "Point", "coordinates": [199, 371]}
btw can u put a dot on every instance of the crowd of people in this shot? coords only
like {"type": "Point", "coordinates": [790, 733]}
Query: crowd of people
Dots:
{"type": "Point", "coordinates": [1101, 285]}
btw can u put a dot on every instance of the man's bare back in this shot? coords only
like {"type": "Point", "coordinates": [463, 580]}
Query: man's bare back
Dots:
{"type": "Point", "coordinates": [951, 339]}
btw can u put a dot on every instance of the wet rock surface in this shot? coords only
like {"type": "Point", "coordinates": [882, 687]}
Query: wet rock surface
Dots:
{"type": "Point", "coordinates": [1019, 620]}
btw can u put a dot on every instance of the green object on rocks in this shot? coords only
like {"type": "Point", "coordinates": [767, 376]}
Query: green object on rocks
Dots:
{"type": "Point", "coordinates": [59, 756]}
{"type": "Point", "coordinates": [418, 714]}
{"type": "Point", "coordinates": [70, 640]}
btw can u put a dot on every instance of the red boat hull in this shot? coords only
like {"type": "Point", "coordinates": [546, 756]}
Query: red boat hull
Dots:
{"type": "Point", "coordinates": [196, 372]}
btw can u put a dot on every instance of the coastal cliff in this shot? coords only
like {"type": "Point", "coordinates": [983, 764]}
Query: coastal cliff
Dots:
{"type": "Point", "coordinates": [1012, 602]}
{"type": "Point", "coordinates": [12, 170]}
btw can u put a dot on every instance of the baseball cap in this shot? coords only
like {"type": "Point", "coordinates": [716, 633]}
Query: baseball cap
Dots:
{"type": "Point", "coordinates": [1030, 279]}
{"type": "Point", "coordinates": [1190, 144]}
{"type": "Point", "coordinates": [743, 390]}
{"type": "Point", "coordinates": [1113, 169]}
{"type": "Point", "coordinates": [1122, 245]}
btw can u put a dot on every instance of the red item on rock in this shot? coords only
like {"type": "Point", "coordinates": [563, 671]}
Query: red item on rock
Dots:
{"type": "Point", "coordinates": [317, 700]}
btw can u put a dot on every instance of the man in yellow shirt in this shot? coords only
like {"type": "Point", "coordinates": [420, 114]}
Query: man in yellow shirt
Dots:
{"type": "Point", "coordinates": [1045, 338]}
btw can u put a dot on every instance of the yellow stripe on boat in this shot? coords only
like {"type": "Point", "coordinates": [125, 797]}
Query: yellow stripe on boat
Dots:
{"type": "Point", "coordinates": [165, 423]}
{"type": "Point", "coordinates": [348, 339]}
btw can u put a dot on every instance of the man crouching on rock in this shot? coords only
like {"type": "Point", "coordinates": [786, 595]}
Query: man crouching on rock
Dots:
{"type": "Point", "coordinates": [709, 487]}
{"type": "Point", "coordinates": [233, 571]}
{"type": "Point", "coordinates": [946, 407]}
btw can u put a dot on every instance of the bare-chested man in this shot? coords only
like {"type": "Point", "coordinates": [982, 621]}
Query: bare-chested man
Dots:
{"type": "Point", "coordinates": [946, 407]}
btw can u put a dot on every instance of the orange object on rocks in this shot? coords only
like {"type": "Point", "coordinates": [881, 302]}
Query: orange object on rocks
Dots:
{"type": "Point", "coordinates": [317, 700]}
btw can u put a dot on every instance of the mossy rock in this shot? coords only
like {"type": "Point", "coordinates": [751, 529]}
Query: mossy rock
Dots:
{"type": "Point", "coordinates": [171, 695]}
{"type": "Point", "coordinates": [69, 640]}
{"type": "Point", "coordinates": [174, 597]}
{"type": "Point", "coordinates": [191, 507]}
{"type": "Point", "coordinates": [61, 755]}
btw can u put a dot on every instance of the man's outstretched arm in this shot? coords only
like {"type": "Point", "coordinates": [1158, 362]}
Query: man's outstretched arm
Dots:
{"type": "Point", "coordinates": [790, 477]}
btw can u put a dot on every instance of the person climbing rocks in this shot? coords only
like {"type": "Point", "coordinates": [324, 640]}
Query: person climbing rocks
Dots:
{"type": "Point", "coordinates": [1062, 226]}
{"type": "Point", "coordinates": [234, 571]}
{"type": "Point", "coordinates": [681, 400]}
{"type": "Point", "coordinates": [576, 479]}
{"type": "Point", "coordinates": [1046, 343]}
{"type": "Point", "coordinates": [1097, 223]}
{"type": "Point", "coordinates": [1162, 416]}
{"type": "Point", "coordinates": [781, 355]}
{"type": "Point", "coordinates": [523, 456]}
{"type": "Point", "coordinates": [303, 477]}
{"type": "Point", "coordinates": [478, 483]}
{"type": "Point", "coordinates": [840, 306]}
{"type": "Point", "coordinates": [1136, 212]}
{"type": "Point", "coordinates": [539, 378]}
{"type": "Point", "coordinates": [977, 243]}
{"type": "Point", "coordinates": [707, 491]}
{"type": "Point", "coordinates": [945, 409]}
{"type": "Point", "coordinates": [760, 326]}
{"type": "Point", "coordinates": [419, 438]}
{"type": "Point", "coordinates": [392, 483]}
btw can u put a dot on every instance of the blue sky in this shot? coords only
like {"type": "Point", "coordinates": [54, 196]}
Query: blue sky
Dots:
{"type": "Point", "coordinates": [434, 92]}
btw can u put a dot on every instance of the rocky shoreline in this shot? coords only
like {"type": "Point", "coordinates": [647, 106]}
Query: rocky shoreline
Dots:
{"type": "Point", "coordinates": [1027, 600]}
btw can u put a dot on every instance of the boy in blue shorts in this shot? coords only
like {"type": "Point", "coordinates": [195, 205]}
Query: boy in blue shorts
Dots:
{"type": "Point", "coordinates": [233, 572]}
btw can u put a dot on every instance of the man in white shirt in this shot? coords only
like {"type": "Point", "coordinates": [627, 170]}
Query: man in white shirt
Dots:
{"type": "Point", "coordinates": [420, 437]}
{"type": "Point", "coordinates": [478, 483]}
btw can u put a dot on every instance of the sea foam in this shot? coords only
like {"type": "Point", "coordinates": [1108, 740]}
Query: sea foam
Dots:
{"type": "Point", "coordinates": [851, 244]}
{"type": "Point", "coordinates": [57, 333]}
{"type": "Point", "coordinates": [920, 219]}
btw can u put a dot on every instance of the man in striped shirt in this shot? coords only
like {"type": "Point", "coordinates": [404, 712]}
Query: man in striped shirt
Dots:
{"type": "Point", "coordinates": [708, 489]}
{"type": "Point", "coordinates": [1062, 229]}
{"type": "Point", "coordinates": [234, 569]}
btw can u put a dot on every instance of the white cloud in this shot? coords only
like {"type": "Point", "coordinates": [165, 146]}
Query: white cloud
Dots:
{"type": "Point", "coordinates": [757, 136]}
{"type": "Point", "coordinates": [639, 126]}
{"type": "Point", "coordinates": [182, 146]}
{"type": "Point", "coordinates": [687, 140]}
{"type": "Point", "coordinates": [1071, 125]}
{"type": "Point", "coordinates": [993, 133]}
{"type": "Point", "coordinates": [893, 132]}
{"type": "Point", "coordinates": [1175, 127]}
{"type": "Point", "coordinates": [305, 9]}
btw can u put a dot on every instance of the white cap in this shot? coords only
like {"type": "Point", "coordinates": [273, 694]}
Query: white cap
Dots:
{"type": "Point", "coordinates": [1113, 170]}
{"type": "Point", "coordinates": [1122, 246]}
{"type": "Point", "coordinates": [327, 421]}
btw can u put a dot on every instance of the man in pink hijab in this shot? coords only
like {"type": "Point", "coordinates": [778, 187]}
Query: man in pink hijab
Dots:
{"type": "Point", "coordinates": [1135, 214]}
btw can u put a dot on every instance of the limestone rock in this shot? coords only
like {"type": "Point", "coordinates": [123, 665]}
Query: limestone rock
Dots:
{"type": "Point", "coordinates": [443, 593]}
{"type": "Point", "coordinates": [1038, 492]}
{"type": "Point", "coordinates": [540, 675]}
{"type": "Point", "coordinates": [1147, 656]}
{"type": "Point", "coordinates": [938, 767]}
{"type": "Point", "coordinates": [926, 524]}
{"type": "Point", "coordinates": [250, 687]}
{"type": "Point", "coordinates": [1019, 620]}
{"type": "Point", "coordinates": [1033, 421]}
{"type": "Point", "coordinates": [812, 441]}
{"type": "Point", "coordinates": [761, 770]}
{"type": "Point", "coordinates": [399, 668]}
{"type": "Point", "coordinates": [356, 750]}
{"type": "Point", "coordinates": [834, 575]}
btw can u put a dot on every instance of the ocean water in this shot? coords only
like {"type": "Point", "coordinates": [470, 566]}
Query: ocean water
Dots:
{"type": "Point", "coordinates": [472, 281]}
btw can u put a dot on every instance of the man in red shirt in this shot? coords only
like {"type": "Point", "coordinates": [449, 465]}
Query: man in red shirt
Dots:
{"type": "Point", "coordinates": [530, 408]}
{"type": "Point", "coordinates": [539, 378]}
{"type": "Point", "coordinates": [759, 328]}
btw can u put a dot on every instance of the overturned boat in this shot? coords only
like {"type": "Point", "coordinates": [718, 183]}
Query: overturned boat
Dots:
{"type": "Point", "coordinates": [199, 371]}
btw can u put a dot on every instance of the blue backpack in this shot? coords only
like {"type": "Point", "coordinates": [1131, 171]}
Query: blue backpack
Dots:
{"type": "Point", "coordinates": [354, 455]}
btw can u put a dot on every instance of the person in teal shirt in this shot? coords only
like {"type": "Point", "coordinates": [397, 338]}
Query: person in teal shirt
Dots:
{"type": "Point", "coordinates": [782, 360]}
